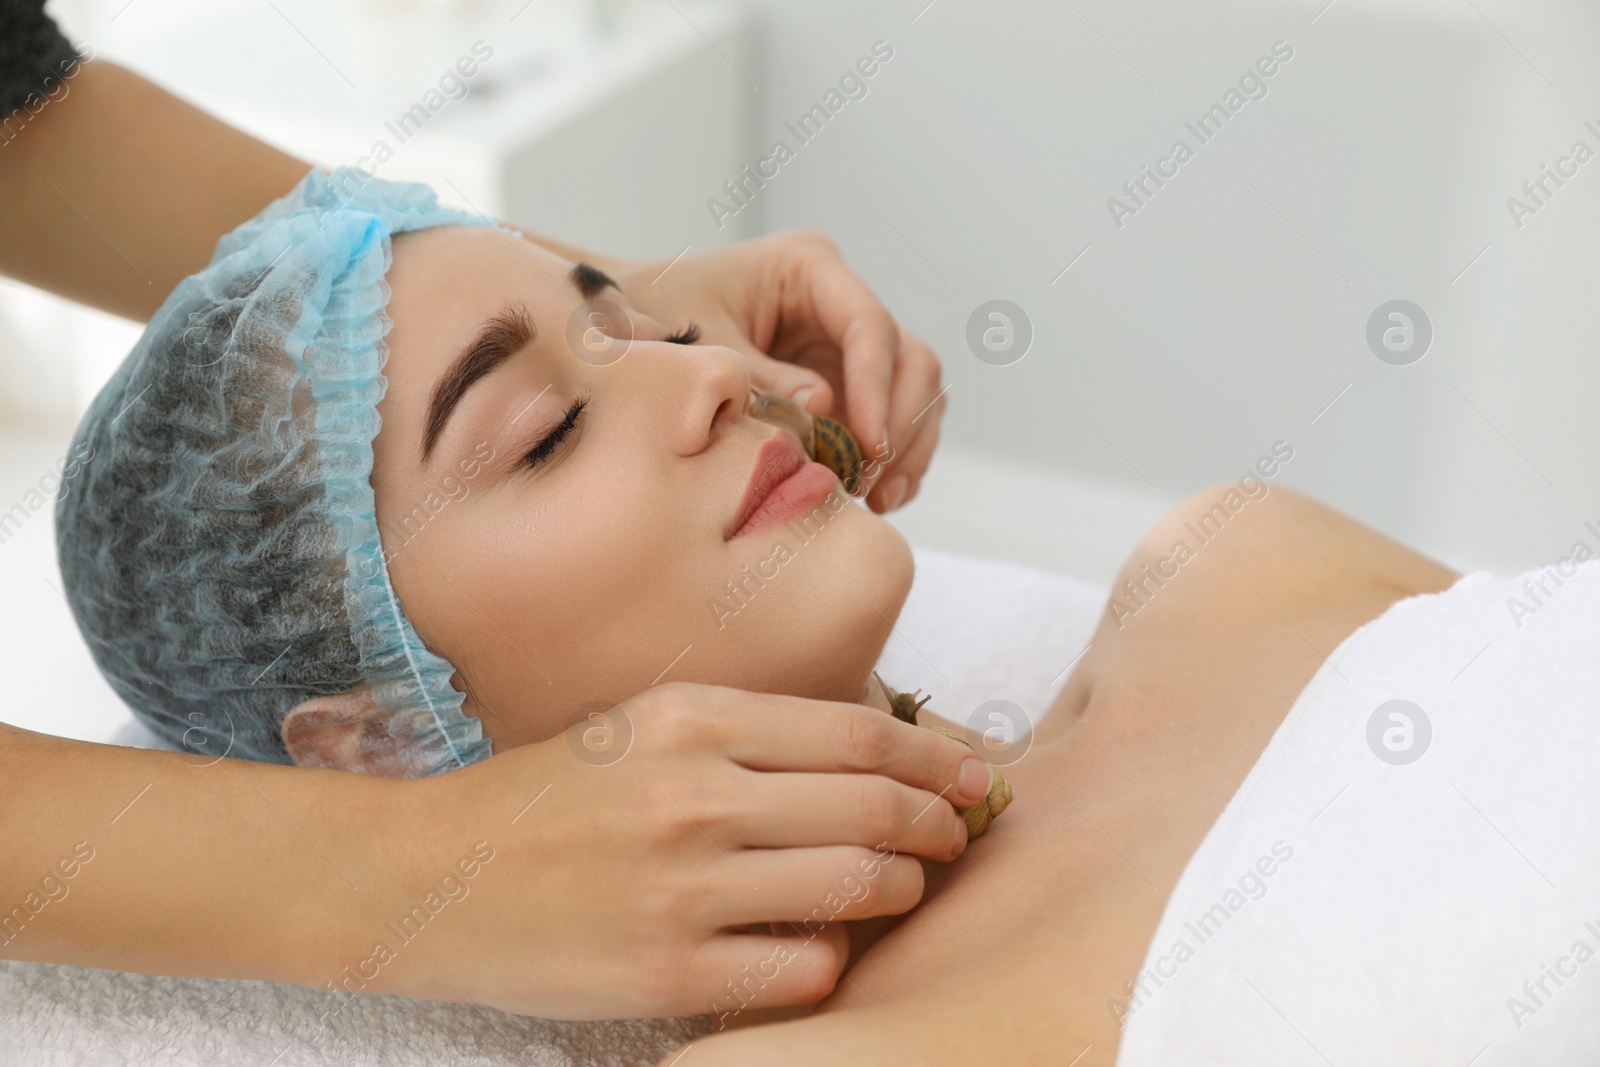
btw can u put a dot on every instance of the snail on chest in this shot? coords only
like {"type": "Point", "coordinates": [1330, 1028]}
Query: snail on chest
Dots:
{"type": "Point", "coordinates": [904, 706]}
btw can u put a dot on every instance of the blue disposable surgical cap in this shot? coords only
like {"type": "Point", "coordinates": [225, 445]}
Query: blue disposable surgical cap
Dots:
{"type": "Point", "coordinates": [219, 541]}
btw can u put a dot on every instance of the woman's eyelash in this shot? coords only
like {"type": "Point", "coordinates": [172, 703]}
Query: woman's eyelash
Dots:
{"type": "Point", "coordinates": [552, 440]}
{"type": "Point", "coordinates": [686, 336]}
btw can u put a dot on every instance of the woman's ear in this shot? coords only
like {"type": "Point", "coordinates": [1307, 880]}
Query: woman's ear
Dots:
{"type": "Point", "coordinates": [346, 732]}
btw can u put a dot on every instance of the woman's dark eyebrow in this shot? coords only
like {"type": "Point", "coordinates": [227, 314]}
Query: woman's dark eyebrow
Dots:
{"type": "Point", "coordinates": [590, 280]}
{"type": "Point", "coordinates": [501, 337]}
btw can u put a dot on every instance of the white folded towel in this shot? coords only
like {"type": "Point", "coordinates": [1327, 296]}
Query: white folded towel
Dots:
{"type": "Point", "coordinates": [1351, 907]}
{"type": "Point", "coordinates": [972, 631]}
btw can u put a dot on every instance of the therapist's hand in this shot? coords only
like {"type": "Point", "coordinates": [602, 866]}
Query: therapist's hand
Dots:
{"type": "Point", "coordinates": [637, 880]}
{"type": "Point", "coordinates": [115, 198]}
{"type": "Point", "coordinates": [812, 331]}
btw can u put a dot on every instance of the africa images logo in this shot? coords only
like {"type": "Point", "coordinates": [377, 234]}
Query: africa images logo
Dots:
{"type": "Point", "coordinates": [1252, 85]}
{"type": "Point", "coordinates": [852, 85]}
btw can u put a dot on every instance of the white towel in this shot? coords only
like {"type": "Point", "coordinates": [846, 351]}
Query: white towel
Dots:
{"type": "Point", "coordinates": [1350, 907]}
{"type": "Point", "coordinates": [972, 631]}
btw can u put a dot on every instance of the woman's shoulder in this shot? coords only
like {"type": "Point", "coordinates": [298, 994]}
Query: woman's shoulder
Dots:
{"type": "Point", "coordinates": [1278, 537]}
{"type": "Point", "coordinates": [1242, 559]}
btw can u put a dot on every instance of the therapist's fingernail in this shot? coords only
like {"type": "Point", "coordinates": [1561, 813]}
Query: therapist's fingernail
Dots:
{"type": "Point", "coordinates": [974, 778]}
{"type": "Point", "coordinates": [803, 395]}
{"type": "Point", "coordinates": [894, 491]}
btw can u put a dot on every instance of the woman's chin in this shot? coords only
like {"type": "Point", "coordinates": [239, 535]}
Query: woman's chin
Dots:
{"type": "Point", "coordinates": [873, 582]}
{"type": "Point", "coordinates": [833, 611]}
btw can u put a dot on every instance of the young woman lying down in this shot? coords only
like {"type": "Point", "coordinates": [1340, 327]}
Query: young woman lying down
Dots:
{"type": "Point", "coordinates": [561, 512]}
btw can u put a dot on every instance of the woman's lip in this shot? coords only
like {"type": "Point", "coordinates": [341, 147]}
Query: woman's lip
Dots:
{"type": "Point", "coordinates": [800, 492]}
{"type": "Point", "coordinates": [778, 460]}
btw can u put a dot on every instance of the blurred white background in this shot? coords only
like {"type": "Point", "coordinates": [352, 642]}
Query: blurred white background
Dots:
{"type": "Point", "coordinates": [1228, 313]}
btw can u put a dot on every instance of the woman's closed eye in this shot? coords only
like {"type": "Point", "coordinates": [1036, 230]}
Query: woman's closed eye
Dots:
{"type": "Point", "coordinates": [552, 440]}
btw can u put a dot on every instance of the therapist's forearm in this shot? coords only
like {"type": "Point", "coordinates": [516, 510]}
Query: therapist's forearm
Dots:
{"type": "Point", "coordinates": [119, 190]}
{"type": "Point", "coordinates": [148, 861]}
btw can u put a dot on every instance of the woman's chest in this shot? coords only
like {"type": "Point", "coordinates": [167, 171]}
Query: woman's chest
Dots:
{"type": "Point", "coordinates": [1038, 932]}
{"type": "Point", "coordinates": [1032, 936]}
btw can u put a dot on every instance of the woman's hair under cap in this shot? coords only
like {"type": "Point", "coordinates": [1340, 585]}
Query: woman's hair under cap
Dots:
{"type": "Point", "coordinates": [218, 538]}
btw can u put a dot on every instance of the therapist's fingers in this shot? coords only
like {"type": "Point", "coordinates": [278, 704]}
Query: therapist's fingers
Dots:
{"type": "Point", "coordinates": [795, 965]}
{"type": "Point", "coordinates": [816, 885]}
{"type": "Point", "coordinates": [783, 377]}
{"type": "Point", "coordinates": [916, 408]}
{"type": "Point", "coordinates": [873, 345]}
{"type": "Point", "coordinates": [862, 330]}
{"type": "Point", "coordinates": [770, 732]}
{"type": "Point", "coordinates": [808, 810]}
{"type": "Point", "coordinates": [899, 483]}
{"type": "Point", "coordinates": [800, 384]}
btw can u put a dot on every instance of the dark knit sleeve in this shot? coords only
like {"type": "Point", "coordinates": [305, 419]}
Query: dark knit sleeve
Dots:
{"type": "Point", "coordinates": [33, 53]}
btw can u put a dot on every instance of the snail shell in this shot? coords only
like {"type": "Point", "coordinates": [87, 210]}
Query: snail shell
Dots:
{"type": "Point", "coordinates": [980, 815]}
{"type": "Point", "coordinates": [826, 441]}
{"type": "Point", "coordinates": [836, 448]}
{"type": "Point", "coordinates": [977, 817]}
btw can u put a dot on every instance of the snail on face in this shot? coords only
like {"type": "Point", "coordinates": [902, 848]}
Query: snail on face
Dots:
{"type": "Point", "coordinates": [826, 441]}
{"type": "Point", "coordinates": [831, 444]}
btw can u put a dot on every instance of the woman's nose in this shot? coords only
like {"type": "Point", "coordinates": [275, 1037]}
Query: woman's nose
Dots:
{"type": "Point", "coordinates": [702, 391]}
